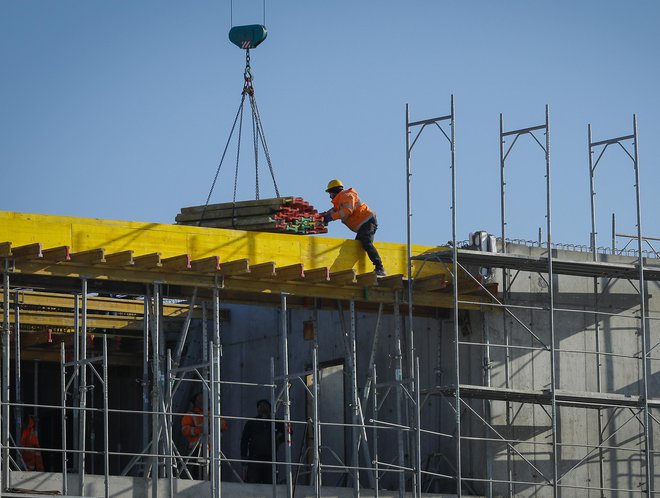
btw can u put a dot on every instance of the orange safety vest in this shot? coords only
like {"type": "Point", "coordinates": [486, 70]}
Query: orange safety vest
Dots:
{"type": "Point", "coordinates": [350, 209]}
{"type": "Point", "coordinates": [30, 439]}
{"type": "Point", "coordinates": [192, 426]}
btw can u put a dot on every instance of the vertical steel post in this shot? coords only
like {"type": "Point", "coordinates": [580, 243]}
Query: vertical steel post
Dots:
{"type": "Point", "coordinates": [145, 375]}
{"type": "Point", "coordinates": [642, 290]}
{"type": "Point", "coordinates": [505, 294]}
{"type": "Point", "coordinates": [215, 391]}
{"type": "Point", "coordinates": [354, 401]}
{"type": "Point", "coordinates": [167, 424]}
{"type": "Point", "coordinates": [418, 431]}
{"type": "Point", "coordinates": [5, 378]}
{"type": "Point", "coordinates": [18, 387]}
{"type": "Point", "coordinates": [454, 250]}
{"type": "Point", "coordinates": [551, 304]}
{"type": "Point", "coordinates": [106, 421]}
{"type": "Point", "coordinates": [487, 409]}
{"type": "Point", "coordinates": [594, 255]}
{"type": "Point", "coordinates": [214, 481]}
{"type": "Point", "coordinates": [287, 400]}
{"type": "Point", "coordinates": [316, 471]}
{"type": "Point", "coordinates": [82, 403]}
{"type": "Point", "coordinates": [155, 390]}
{"type": "Point", "coordinates": [63, 417]}
{"type": "Point", "coordinates": [375, 429]}
{"type": "Point", "coordinates": [76, 380]}
{"type": "Point", "coordinates": [398, 377]}
{"type": "Point", "coordinates": [273, 441]}
{"type": "Point", "coordinates": [613, 233]}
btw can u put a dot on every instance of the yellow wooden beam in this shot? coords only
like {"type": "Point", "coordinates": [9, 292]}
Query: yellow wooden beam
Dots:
{"type": "Point", "coordinates": [83, 234]}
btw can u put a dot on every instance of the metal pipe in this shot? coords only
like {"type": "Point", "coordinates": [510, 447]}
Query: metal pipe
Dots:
{"type": "Point", "coordinates": [287, 400]}
{"type": "Point", "coordinates": [215, 391]}
{"type": "Point", "coordinates": [145, 373]}
{"type": "Point", "coordinates": [5, 378]}
{"type": "Point", "coordinates": [487, 408]}
{"type": "Point", "coordinates": [352, 357]}
{"type": "Point", "coordinates": [455, 294]}
{"type": "Point", "coordinates": [551, 304]}
{"type": "Point", "coordinates": [167, 419]}
{"type": "Point", "coordinates": [398, 377]}
{"type": "Point", "coordinates": [76, 379]}
{"type": "Point", "coordinates": [316, 468]}
{"type": "Point", "coordinates": [155, 390]}
{"type": "Point", "coordinates": [643, 331]}
{"type": "Point", "coordinates": [215, 464]}
{"type": "Point", "coordinates": [82, 403]}
{"type": "Point", "coordinates": [594, 253]}
{"type": "Point", "coordinates": [18, 386]}
{"type": "Point", "coordinates": [418, 431]}
{"type": "Point", "coordinates": [273, 441]}
{"type": "Point", "coordinates": [106, 421]}
{"type": "Point", "coordinates": [63, 391]}
{"type": "Point", "coordinates": [184, 331]}
{"type": "Point", "coordinates": [375, 430]}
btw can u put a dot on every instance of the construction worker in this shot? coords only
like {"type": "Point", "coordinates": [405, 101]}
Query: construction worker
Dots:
{"type": "Point", "coordinates": [357, 216]}
{"type": "Point", "coordinates": [192, 424]}
{"type": "Point", "coordinates": [30, 439]}
{"type": "Point", "coordinates": [256, 444]}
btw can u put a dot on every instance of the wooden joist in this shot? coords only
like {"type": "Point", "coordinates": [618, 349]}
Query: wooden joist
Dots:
{"type": "Point", "coordinates": [263, 270]}
{"type": "Point", "coordinates": [366, 279]}
{"type": "Point", "coordinates": [29, 251]}
{"type": "Point", "coordinates": [57, 254]}
{"type": "Point", "coordinates": [91, 257]}
{"type": "Point", "coordinates": [205, 265]}
{"type": "Point", "coordinates": [318, 275]}
{"type": "Point", "coordinates": [122, 258]}
{"type": "Point", "coordinates": [237, 267]}
{"type": "Point", "coordinates": [177, 263]}
{"type": "Point", "coordinates": [431, 283]}
{"type": "Point", "coordinates": [151, 260]}
{"type": "Point", "coordinates": [290, 272]}
{"type": "Point", "coordinates": [343, 277]}
{"type": "Point", "coordinates": [5, 249]}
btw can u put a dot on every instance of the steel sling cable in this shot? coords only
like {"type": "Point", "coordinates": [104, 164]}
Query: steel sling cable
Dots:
{"type": "Point", "coordinates": [262, 137]}
{"type": "Point", "coordinates": [224, 153]}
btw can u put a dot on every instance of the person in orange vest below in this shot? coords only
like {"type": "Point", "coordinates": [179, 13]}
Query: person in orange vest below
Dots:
{"type": "Point", "coordinates": [30, 439]}
{"type": "Point", "coordinates": [357, 216]}
{"type": "Point", "coordinates": [192, 424]}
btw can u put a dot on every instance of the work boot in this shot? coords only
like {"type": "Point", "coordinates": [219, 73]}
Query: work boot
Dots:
{"type": "Point", "coordinates": [380, 272]}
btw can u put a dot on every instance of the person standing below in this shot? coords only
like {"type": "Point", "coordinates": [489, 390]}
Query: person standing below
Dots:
{"type": "Point", "coordinates": [31, 453]}
{"type": "Point", "coordinates": [357, 216]}
{"type": "Point", "coordinates": [256, 444]}
{"type": "Point", "coordinates": [192, 424]}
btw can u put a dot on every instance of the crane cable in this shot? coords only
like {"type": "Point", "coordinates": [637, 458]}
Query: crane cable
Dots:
{"type": "Point", "coordinates": [259, 137]}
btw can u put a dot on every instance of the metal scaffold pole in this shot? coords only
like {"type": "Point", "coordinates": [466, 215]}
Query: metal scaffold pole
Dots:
{"type": "Point", "coordinates": [355, 408]}
{"type": "Point", "coordinates": [4, 484]}
{"type": "Point", "coordinates": [642, 319]}
{"type": "Point", "coordinates": [82, 396]}
{"type": "Point", "coordinates": [215, 413]}
{"type": "Point", "coordinates": [156, 392]}
{"type": "Point", "coordinates": [287, 401]}
{"type": "Point", "coordinates": [398, 377]}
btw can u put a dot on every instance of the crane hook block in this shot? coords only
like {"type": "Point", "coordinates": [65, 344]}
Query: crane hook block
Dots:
{"type": "Point", "coordinates": [248, 36]}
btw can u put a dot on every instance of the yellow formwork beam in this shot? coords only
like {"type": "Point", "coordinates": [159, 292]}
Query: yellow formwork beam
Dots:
{"type": "Point", "coordinates": [85, 234]}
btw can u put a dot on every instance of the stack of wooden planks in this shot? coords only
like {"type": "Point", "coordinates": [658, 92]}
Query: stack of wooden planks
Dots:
{"type": "Point", "coordinates": [279, 214]}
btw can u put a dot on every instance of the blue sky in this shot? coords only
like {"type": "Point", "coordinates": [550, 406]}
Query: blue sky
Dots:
{"type": "Point", "coordinates": [121, 109]}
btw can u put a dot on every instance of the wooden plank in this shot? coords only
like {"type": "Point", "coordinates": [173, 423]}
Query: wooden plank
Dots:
{"type": "Point", "coordinates": [263, 270]}
{"type": "Point", "coordinates": [275, 201]}
{"type": "Point", "coordinates": [236, 267]}
{"type": "Point", "coordinates": [343, 277]}
{"type": "Point", "coordinates": [205, 265]}
{"type": "Point", "coordinates": [151, 260]}
{"type": "Point", "coordinates": [392, 282]}
{"type": "Point", "coordinates": [57, 254]}
{"type": "Point", "coordinates": [318, 275]}
{"type": "Point", "coordinates": [431, 283]}
{"type": "Point", "coordinates": [290, 272]}
{"type": "Point", "coordinates": [212, 214]}
{"type": "Point", "coordinates": [366, 279]}
{"type": "Point", "coordinates": [92, 257]}
{"type": "Point", "coordinates": [177, 263]}
{"type": "Point", "coordinates": [29, 251]}
{"type": "Point", "coordinates": [5, 249]}
{"type": "Point", "coordinates": [122, 258]}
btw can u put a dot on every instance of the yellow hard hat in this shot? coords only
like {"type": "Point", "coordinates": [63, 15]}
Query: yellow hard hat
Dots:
{"type": "Point", "coordinates": [334, 183]}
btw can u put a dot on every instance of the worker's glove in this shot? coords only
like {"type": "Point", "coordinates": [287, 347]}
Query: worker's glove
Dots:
{"type": "Point", "coordinates": [327, 217]}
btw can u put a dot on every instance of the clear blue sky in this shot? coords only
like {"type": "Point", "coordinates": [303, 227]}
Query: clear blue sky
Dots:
{"type": "Point", "coordinates": [120, 109]}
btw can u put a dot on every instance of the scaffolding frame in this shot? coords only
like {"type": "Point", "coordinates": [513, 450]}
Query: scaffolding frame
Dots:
{"type": "Point", "coordinates": [460, 260]}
